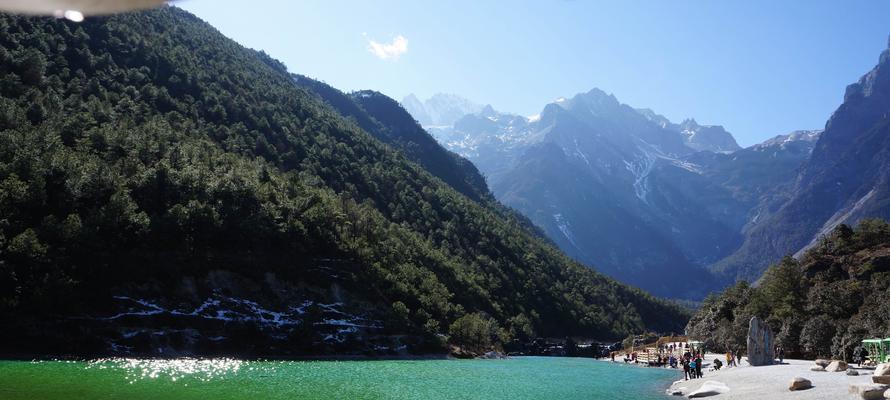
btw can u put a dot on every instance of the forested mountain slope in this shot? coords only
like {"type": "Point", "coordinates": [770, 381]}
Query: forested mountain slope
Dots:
{"type": "Point", "coordinates": [823, 305]}
{"type": "Point", "coordinates": [163, 189]}
{"type": "Point", "coordinates": [387, 121]}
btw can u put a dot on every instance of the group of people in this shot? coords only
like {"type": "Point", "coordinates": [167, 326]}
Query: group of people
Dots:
{"type": "Point", "coordinates": [780, 353]}
{"type": "Point", "coordinates": [733, 358]}
{"type": "Point", "coordinates": [692, 365]}
{"type": "Point", "coordinates": [629, 357]}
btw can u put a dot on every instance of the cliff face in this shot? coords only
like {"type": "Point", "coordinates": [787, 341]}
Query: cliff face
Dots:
{"type": "Point", "coordinates": [847, 178]}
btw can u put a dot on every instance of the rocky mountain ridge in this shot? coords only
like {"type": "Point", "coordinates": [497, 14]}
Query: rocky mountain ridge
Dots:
{"type": "Point", "coordinates": [625, 189]}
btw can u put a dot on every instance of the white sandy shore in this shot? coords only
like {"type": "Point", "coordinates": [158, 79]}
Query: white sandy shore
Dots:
{"type": "Point", "coordinates": [771, 382]}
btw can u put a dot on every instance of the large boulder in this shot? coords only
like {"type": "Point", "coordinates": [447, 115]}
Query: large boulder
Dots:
{"type": "Point", "coordinates": [882, 379]}
{"type": "Point", "coordinates": [761, 350]}
{"type": "Point", "coordinates": [869, 391]}
{"type": "Point", "coordinates": [799, 383]}
{"type": "Point", "coordinates": [709, 388]}
{"type": "Point", "coordinates": [882, 369]}
{"type": "Point", "coordinates": [837, 366]}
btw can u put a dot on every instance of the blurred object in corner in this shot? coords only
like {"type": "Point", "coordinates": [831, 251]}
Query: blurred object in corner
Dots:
{"type": "Point", "coordinates": [75, 10]}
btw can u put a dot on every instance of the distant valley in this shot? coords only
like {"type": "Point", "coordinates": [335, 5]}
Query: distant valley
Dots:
{"type": "Point", "coordinates": [679, 209]}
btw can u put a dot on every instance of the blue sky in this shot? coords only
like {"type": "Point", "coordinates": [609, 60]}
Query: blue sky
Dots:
{"type": "Point", "coordinates": [759, 68]}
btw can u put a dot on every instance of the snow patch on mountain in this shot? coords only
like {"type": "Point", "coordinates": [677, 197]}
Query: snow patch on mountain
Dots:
{"type": "Point", "coordinates": [641, 167]}
{"type": "Point", "coordinates": [784, 140]}
{"type": "Point", "coordinates": [564, 227]}
{"type": "Point", "coordinates": [841, 216]}
{"type": "Point", "coordinates": [581, 154]}
{"type": "Point", "coordinates": [439, 110]}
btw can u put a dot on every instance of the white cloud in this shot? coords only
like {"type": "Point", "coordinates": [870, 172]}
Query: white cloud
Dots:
{"type": "Point", "coordinates": [391, 50]}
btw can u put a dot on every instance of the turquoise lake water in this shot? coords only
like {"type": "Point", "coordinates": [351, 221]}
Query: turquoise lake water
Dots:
{"type": "Point", "coordinates": [515, 378]}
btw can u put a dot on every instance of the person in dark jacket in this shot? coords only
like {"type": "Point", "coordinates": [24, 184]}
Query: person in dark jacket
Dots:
{"type": "Point", "coordinates": [698, 362]}
{"type": "Point", "coordinates": [863, 355]}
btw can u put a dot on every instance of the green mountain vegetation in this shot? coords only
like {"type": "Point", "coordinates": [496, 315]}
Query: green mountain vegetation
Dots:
{"type": "Point", "coordinates": [146, 156]}
{"type": "Point", "coordinates": [823, 305]}
{"type": "Point", "coordinates": [387, 121]}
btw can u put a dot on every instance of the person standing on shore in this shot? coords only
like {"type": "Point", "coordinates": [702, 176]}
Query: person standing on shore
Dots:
{"type": "Point", "coordinates": [698, 363]}
{"type": "Point", "coordinates": [685, 369]}
{"type": "Point", "coordinates": [729, 359]}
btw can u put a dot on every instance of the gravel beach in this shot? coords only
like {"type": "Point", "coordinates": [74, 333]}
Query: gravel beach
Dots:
{"type": "Point", "coordinates": [771, 382]}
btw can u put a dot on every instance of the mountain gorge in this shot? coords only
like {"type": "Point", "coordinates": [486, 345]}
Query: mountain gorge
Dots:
{"type": "Point", "coordinates": [165, 191]}
{"type": "Point", "coordinates": [846, 179]}
{"type": "Point", "coordinates": [625, 190]}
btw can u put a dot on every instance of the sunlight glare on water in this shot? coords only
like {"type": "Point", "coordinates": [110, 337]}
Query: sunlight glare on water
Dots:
{"type": "Point", "coordinates": [201, 369]}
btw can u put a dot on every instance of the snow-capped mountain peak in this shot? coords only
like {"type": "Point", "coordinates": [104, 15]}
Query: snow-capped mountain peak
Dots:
{"type": "Point", "coordinates": [441, 109]}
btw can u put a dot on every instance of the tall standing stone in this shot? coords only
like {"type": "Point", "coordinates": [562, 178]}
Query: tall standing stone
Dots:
{"type": "Point", "coordinates": [761, 349]}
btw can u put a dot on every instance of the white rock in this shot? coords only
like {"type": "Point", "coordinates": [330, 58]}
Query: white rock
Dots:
{"type": "Point", "coordinates": [882, 369]}
{"type": "Point", "coordinates": [818, 368]}
{"type": "Point", "coordinates": [709, 388]}
{"type": "Point", "coordinates": [869, 391]}
{"type": "Point", "coordinates": [836, 366]}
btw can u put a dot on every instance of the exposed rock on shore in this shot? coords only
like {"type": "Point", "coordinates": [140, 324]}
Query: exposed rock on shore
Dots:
{"type": "Point", "coordinates": [882, 374]}
{"type": "Point", "coordinates": [836, 366]}
{"type": "Point", "coordinates": [799, 383]}
{"type": "Point", "coordinates": [868, 391]}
